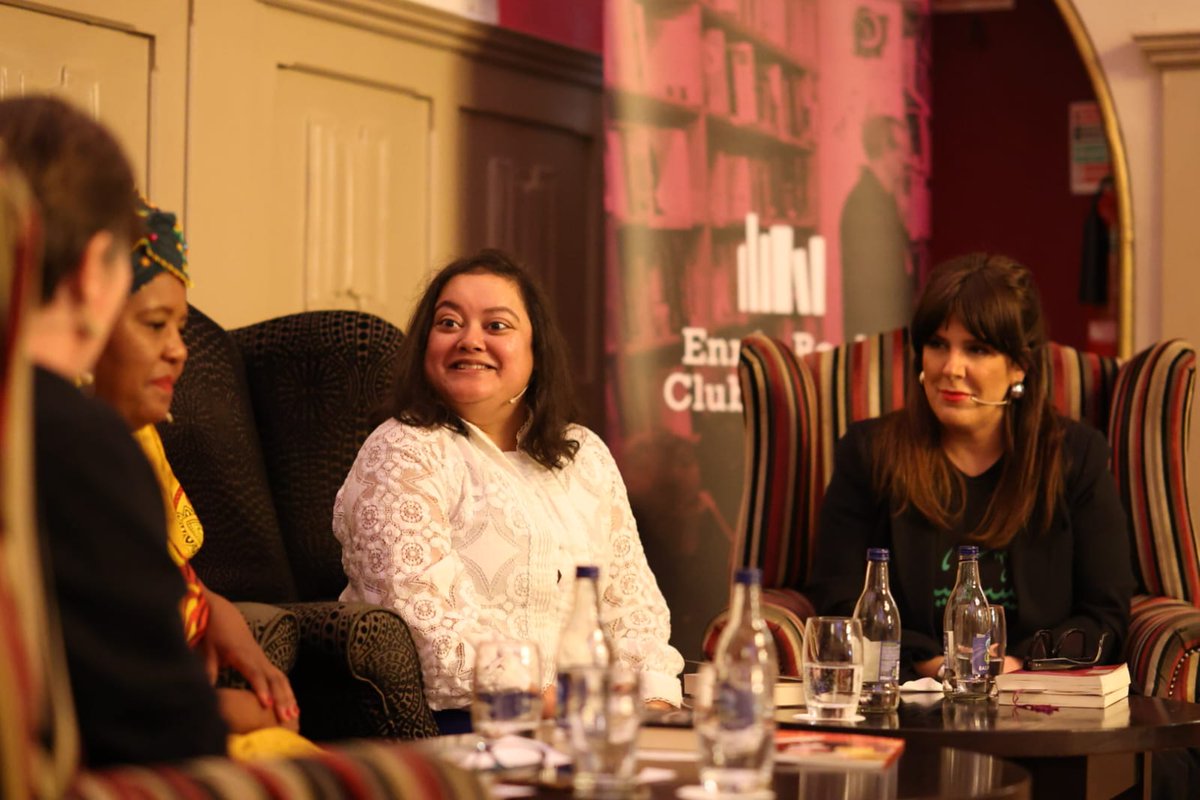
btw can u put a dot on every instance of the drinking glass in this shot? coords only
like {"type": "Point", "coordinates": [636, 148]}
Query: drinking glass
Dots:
{"type": "Point", "coordinates": [604, 713]}
{"type": "Point", "coordinates": [831, 658]}
{"type": "Point", "coordinates": [508, 697]}
{"type": "Point", "coordinates": [997, 645]}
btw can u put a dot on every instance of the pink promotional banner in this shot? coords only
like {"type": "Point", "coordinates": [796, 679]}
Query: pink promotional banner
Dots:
{"type": "Point", "coordinates": [767, 168]}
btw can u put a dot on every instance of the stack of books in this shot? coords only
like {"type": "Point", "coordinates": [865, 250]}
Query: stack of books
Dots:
{"type": "Point", "coordinates": [1090, 687]}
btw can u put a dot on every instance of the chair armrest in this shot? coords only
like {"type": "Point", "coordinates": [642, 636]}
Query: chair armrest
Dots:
{"type": "Point", "coordinates": [358, 674]}
{"type": "Point", "coordinates": [277, 632]}
{"type": "Point", "coordinates": [785, 611]}
{"type": "Point", "coordinates": [361, 770]}
{"type": "Point", "coordinates": [1164, 647]}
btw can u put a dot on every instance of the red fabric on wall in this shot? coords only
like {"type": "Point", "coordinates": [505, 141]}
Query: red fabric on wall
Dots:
{"type": "Point", "coordinates": [1002, 82]}
{"type": "Point", "coordinates": [575, 23]}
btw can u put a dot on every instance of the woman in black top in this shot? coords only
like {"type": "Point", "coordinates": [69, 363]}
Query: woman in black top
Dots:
{"type": "Point", "coordinates": [979, 456]}
{"type": "Point", "coordinates": [140, 694]}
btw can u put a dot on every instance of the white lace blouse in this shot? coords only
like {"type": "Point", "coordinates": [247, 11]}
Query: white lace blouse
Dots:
{"type": "Point", "coordinates": [469, 543]}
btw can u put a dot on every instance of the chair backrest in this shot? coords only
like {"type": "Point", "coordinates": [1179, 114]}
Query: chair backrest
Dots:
{"type": "Point", "coordinates": [318, 381]}
{"type": "Point", "coordinates": [213, 446]}
{"type": "Point", "coordinates": [1148, 430]}
{"type": "Point", "coordinates": [805, 405]}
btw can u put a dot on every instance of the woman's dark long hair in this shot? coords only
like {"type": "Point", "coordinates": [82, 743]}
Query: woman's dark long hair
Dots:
{"type": "Point", "coordinates": [995, 299]}
{"type": "Point", "coordinates": [550, 396]}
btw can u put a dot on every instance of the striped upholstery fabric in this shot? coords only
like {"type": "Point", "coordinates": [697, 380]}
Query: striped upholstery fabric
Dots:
{"type": "Point", "coordinates": [1164, 647]}
{"type": "Point", "coordinates": [1081, 384]}
{"type": "Point", "coordinates": [1148, 429]}
{"type": "Point", "coordinates": [362, 770]}
{"type": "Point", "coordinates": [779, 479]}
{"type": "Point", "coordinates": [1151, 417]}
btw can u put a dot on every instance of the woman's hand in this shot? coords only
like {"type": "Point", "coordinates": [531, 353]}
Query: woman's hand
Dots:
{"type": "Point", "coordinates": [1012, 664]}
{"type": "Point", "coordinates": [930, 668]}
{"type": "Point", "coordinates": [243, 713]}
{"type": "Point", "coordinates": [229, 643]}
{"type": "Point", "coordinates": [659, 705]}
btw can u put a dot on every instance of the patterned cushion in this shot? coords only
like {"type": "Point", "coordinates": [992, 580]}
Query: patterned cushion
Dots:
{"type": "Point", "coordinates": [1164, 647]}
{"type": "Point", "coordinates": [364, 674]}
{"type": "Point", "coordinates": [213, 446]}
{"type": "Point", "coordinates": [1151, 417]}
{"type": "Point", "coordinates": [317, 383]}
{"type": "Point", "coordinates": [356, 770]}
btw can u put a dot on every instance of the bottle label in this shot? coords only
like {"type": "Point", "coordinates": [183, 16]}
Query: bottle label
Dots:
{"type": "Point", "coordinates": [881, 661]}
{"type": "Point", "coordinates": [871, 661]}
{"type": "Point", "coordinates": [889, 661]}
{"type": "Point", "coordinates": [979, 655]}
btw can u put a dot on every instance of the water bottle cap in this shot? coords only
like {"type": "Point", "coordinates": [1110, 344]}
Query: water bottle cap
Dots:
{"type": "Point", "coordinates": [587, 571]}
{"type": "Point", "coordinates": [751, 576]}
{"type": "Point", "coordinates": [968, 551]}
{"type": "Point", "coordinates": [878, 554]}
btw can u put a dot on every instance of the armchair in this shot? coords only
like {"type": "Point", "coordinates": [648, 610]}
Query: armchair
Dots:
{"type": "Point", "coordinates": [796, 409]}
{"type": "Point", "coordinates": [268, 419]}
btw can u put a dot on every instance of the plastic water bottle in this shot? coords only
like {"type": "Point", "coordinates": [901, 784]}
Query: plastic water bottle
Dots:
{"type": "Point", "coordinates": [583, 643]}
{"type": "Point", "coordinates": [876, 612]}
{"type": "Point", "coordinates": [968, 632]}
{"type": "Point", "coordinates": [737, 727]}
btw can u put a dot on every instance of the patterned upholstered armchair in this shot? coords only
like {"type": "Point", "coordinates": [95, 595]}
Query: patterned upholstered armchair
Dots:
{"type": "Point", "coordinates": [797, 409]}
{"type": "Point", "coordinates": [268, 420]}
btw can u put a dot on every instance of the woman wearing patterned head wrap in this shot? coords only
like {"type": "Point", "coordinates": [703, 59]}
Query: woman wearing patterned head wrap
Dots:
{"type": "Point", "coordinates": [136, 374]}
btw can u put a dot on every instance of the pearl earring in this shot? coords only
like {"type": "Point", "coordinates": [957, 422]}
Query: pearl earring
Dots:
{"type": "Point", "coordinates": [1017, 391]}
{"type": "Point", "coordinates": [921, 378]}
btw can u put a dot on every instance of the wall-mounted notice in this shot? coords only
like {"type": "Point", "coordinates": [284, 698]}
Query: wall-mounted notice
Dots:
{"type": "Point", "coordinates": [1090, 162]}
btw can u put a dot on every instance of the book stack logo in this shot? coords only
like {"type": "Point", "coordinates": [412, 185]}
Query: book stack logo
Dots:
{"type": "Point", "coordinates": [776, 277]}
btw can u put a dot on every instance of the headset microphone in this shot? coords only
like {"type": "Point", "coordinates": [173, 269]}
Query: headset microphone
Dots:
{"type": "Point", "coordinates": [979, 402]}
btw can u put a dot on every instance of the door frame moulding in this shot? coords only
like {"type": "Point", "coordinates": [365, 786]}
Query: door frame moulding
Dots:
{"type": "Point", "coordinates": [1120, 171]}
{"type": "Point", "coordinates": [435, 28]}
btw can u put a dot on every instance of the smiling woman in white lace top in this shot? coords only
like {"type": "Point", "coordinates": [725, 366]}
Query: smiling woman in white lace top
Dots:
{"type": "Point", "coordinates": [469, 509]}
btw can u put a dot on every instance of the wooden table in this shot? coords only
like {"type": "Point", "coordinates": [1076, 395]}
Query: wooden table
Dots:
{"type": "Point", "coordinates": [922, 773]}
{"type": "Point", "coordinates": [1073, 752]}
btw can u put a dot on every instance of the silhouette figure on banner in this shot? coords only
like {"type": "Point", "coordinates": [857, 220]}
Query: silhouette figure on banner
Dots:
{"type": "Point", "coordinates": [877, 279]}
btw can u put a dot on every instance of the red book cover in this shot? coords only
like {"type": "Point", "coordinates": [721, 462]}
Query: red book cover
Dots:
{"type": "Point", "coordinates": [848, 750]}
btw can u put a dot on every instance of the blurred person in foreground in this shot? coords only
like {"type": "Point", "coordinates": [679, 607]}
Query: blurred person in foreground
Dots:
{"type": "Point", "coordinates": [140, 694]}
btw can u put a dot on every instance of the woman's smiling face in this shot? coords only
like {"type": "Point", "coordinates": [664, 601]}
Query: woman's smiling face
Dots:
{"type": "Point", "coordinates": [958, 367]}
{"type": "Point", "coordinates": [480, 350]}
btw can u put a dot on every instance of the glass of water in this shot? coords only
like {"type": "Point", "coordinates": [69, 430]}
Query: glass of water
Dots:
{"type": "Point", "coordinates": [604, 714]}
{"type": "Point", "coordinates": [508, 696]}
{"type": "Point", "coordinates": [831, 659]}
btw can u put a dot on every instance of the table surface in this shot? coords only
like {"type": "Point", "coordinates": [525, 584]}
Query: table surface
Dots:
{"type": "Point", "coordinates": [1136, 724]}
{"type": "Point", "coordinates": [922, 773]}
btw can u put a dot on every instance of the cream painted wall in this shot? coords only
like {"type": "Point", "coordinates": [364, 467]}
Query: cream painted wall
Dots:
{"type": "Point", "coordinates": [1137, 94]}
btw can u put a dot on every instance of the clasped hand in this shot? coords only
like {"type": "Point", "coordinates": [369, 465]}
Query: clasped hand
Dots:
{"type": "Point", "coordinates": [229, 643]}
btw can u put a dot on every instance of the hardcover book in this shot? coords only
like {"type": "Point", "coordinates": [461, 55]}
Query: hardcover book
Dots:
{"type": "Point", "coordinates": [1090, 680]}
